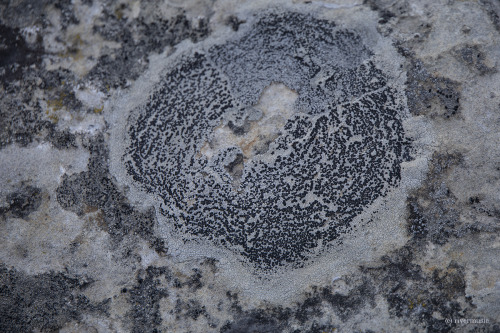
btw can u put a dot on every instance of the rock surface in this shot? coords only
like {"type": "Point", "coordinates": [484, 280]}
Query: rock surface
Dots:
{"type": "Point", "coordinates": [235, 166]}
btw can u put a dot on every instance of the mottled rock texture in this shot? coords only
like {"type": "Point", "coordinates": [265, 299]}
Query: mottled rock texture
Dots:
{"type": "Point", "coordinates": [235, 166]}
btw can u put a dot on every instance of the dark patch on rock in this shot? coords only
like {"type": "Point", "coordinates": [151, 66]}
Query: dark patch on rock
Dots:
{"type": "Point", "coordinates": [451, 281]}
{"type": "Point", "coordinates": [194, 281]}
{"type": "Point", "coordinates": [235, 168]}
{"type": "Point", "coordinates": [67, 13]}
{"type": "Point", "coordinates": [492, 7]}
{"type": "Point", "coordinates": [144, 299]}
{"type": "Point", "coordinates": [346, 306]}
{"type": "Point", "coordinates": [413, 295]}
{"type": "Point", "coordinates": [320, 328]}
{"type": "Point", "coordinates": [21, 125]}
{"type": "Point", "coordinates": [234, 22]}
{"type": "Point", "coordinates": [113, 70]}
{"type": "Point", "coordinates": [33, 12]}
{"type": "Point", "coordinates": [254, 322]}
{"type": "Point", "coordinates": [186, 309]}
{"type": "Point", "coordinates": [60, 93]}
{"type": "Point", "coordinates": [43, 302]}
{"type": "Point", "coordinates": [235, 303]}
{"type": "Point", "coordinates": [95, 189]}
{"type": "Point", "coordinates": [474, 58]}
{"type": "Point", "coordinates": [194, 309]}
{"type": "Point", "coordinates": [431, 208]}
{"type": "Point", "coordinates": [21, 117]}
{"type": "Point", "coordinates": [24, 201]}
{"type": "Point", "coordinates": [417, 224]}
{"type": "Point", "coordinates": [416, 296]}
{"type": "Point", "coordinates": [239, 130]}
{"type": "Point", "coordinates": [62, 139]}
{"type": "Point", "coordinates": [306, 313]}
{"type": "Point", "coordinates": [430, 95]}
{"type": "Point", "coordinates": [16, 54]}
{"type": "Point", "coordinates": [20, 113]}
{"type": "Point", "coordinates": [385, 14]}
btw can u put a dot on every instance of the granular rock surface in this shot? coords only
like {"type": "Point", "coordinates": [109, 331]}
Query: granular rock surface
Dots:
{"type": "Point", "coordinates": [241, 166]}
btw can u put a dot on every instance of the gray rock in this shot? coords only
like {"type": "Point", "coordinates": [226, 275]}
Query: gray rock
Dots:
{"type": "Point", "coordinates": [235, 166]}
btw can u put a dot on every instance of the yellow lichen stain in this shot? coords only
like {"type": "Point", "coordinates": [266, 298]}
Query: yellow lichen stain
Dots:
{"type": "Point", "coordinates": [58, 103]}
{"type": "Point", "coordinates": [456, 255]}
{"type": "Point", "coordinates": [75, 49]}
{"type": "Point", "coordinates": [90, 209]}
{"type": "Point", "coordinates": [98, 110]}
{"type": "Point", "coordinates": [55, 105]}
{"type": "Point", "coordinates": [181, 276]}
{"type": "Point", "coordinates": [331, 330]}
{"type": "Point", "coordinates": [412, 304]}
{"type": "Point", "coordinates": [430, 269]}
{"type": "Point", "coordinates": [54, 118]}
{"type": "Point", "coordinates": [119, 13]}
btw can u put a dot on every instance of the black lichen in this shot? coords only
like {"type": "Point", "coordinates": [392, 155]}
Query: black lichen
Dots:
{"type": "Point", "coordinates": [95, 189]}
{"type": "Point", "coordinates": [492, 8]}
{"type": "Point", "coordinates": [24, 201]}
{"type": "Point", "coordinates": [113, 70]}
{"type": "Point", "coordinates": [16, 54]}
{"type": "Point", "coordinates": [62, 139]}
{"type": "Point", "coordinates": [43, 302]}
{"type": "Point", "coordinates": [437, 221]}
{"type": "Point", "coordinates": [256, 321]}
{"type": "Point", "coordinates": [337, 153]}
{"type": "Point", "coordinates": [430, 95]}
{"type": "Point", "coordinates": [144, 299]}
{"type": "Point", "coordinates": [474, 58]}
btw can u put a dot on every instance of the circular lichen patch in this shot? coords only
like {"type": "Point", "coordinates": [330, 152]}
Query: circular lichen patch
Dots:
{"type": "Point", "coordinates": [270, 144]}
{"type": "Point", "coordinates": [274, 144]}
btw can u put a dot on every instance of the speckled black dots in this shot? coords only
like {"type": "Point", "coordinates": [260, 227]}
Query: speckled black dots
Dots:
{"type": "Point", "coordinates": [338, 151]}
{"type": "Point", "coordinates": [44, 302]}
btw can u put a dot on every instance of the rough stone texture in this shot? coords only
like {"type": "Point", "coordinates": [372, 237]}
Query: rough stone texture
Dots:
{"type": "Point", "coordinates": [239, 104]}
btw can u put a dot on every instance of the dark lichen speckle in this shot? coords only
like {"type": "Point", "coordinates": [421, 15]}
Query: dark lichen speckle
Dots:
{"type": "Point", "coordinates": [253, 322]}
{"type": "Point", "coordinates": [23, 202]}
{"type": "Point", "coordinates": [385, 14]}
{"type": "Point", "coordinates": [234, 22]}
{"type": "Point", "coordinates": [474, 58]}
{"type": "Point", "coordinates": [43, 302]}
{"type": "Point", "coordinates": [62, 139]}
{"type": "Point", "coordinates": [493, 9]}
{"type": "Point", "coordinates": [416, 296]}
{"type": "Point", "coordinates": [15, 53]}
{"type": "Point", "coordinates": [94, 189]}
{"type": "Point", "coordinates": [144, 298]}
{"type": "Point", "coordinates": [437, 221]}
{"type": "Point", "coordinates": [271, 212]}
{"type": "Point", "coordinates": [429, 95]}
{"type": "Point", "coordinates": [304, 314]}
{"type": "Point", "coordinates": [22, 117]}
{"type": "Point", "coordinates": [113, 70]}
